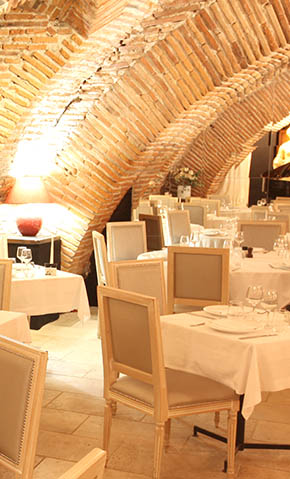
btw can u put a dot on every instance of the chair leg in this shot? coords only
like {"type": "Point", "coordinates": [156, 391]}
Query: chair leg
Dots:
{"type": "Point", "coordinates": [216, 419]}
{"type": "Point", "coordinates": [107, 425]}
{"type": "Point", "coordinates": [114, 408]}
{"type": "Point", "coordinates": [167, 434]}
{"type": "Point", "coordinates": [158, 449]}
{"type": "Point", "coordinates": [231, 443]}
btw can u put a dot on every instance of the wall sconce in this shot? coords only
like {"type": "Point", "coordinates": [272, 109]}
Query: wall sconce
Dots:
{"type": "Point", "coordinates": [26, 192]}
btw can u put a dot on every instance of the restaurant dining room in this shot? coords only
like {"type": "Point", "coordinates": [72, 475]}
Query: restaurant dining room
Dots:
{"type": "Point", "coordinates": [144, 239]}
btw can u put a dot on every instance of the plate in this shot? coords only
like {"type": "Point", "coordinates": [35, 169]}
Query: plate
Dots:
{"type": "Point", "coordinates": [222, 309]}
{"type": "Point", "coordinates": [211, 232]}
{"type": "Point", "coordinates": [231, 326]}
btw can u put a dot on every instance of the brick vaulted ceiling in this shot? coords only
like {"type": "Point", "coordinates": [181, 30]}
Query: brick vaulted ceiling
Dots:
{"type": "Point", "coordinates": [118, 92]}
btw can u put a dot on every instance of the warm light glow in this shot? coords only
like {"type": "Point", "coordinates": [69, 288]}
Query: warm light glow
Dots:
{"type": "Point", "coordinates": [28, 190]}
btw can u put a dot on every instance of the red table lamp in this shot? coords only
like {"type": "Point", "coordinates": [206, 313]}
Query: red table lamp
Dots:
{"type": "Point", "coordinates": [27, 191]}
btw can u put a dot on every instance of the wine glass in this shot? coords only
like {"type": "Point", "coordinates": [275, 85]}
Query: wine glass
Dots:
{"type": "Point", "coordinates": [26, 255]}
{"type": "Point", "coordinates": [19, 253]}
{"type": "Point", "coordinates": [269, 303]}
{"type": "Point", "coordinates": [254, 295]}
{"type": "Point", "coordinates": [184, 240]}
{"type": "Point", "coordinates": [239, 237]}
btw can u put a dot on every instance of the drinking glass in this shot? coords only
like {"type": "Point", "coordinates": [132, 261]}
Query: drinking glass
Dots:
{"type": "Point", "coordinates": [19, 253]}
{"type": "Point", "coordinates": [263, 202]}
{"type": "Point", "coordinates": [235, 309]}
{"type": "Point", "coordinates": [184, 240]}
{"type": "Point", "coordinates": [254, 296]}
{"type": "Point", "coordinates": [27, 256]}
{"type": "Point", "coordinates": [269, 303]}
{"type": "Point", "coordinates": [239, 237]}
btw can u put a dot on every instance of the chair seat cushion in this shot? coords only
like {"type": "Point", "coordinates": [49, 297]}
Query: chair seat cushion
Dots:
{"type": "Point", "coordinates": [183, 389]}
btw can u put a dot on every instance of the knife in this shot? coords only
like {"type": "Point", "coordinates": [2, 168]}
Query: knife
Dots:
{"type": "Point", "coordinates": [262, 335]}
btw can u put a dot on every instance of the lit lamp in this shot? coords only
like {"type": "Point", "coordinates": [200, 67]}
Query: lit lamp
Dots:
{"type": "Point", "coordinates": [27, 191]}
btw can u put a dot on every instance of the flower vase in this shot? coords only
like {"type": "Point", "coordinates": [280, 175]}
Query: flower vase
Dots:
{"type": "Point", "coordinates": [183, 192]}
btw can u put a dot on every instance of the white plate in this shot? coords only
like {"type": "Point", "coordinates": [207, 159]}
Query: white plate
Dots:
{"type": "Point", "coordinates": [211, 232]}
{"type": "Point", "coordinates": [231, 326]}
{"type": "Point", "coordinates": [222, 309]}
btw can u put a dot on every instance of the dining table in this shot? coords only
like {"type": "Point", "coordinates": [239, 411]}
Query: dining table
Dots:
{"type": "Point", "coordinates": [238, 353]}
{"type": "Point", "coordinates": [15, 326]}
{"type": "Point", "coordinates": [35, 293]}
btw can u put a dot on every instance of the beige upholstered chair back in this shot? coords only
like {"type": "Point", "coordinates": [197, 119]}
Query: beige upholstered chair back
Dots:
{"type": "Point", "coordinates": [178, 225]}
{"type": "Point", "coordinates": [197, 213]}
{"type": "Point", "coordinates": [261, 234]}
{"type": "Point", "coordinates": [154, 231]}
{"type": "Point", "coordinates": [259, 212]}
{"type": "Point", "coordinates": [5, 283]}
{"type": "Point", "coordinates": [101, 260]}
{"type": "Point", "coordinates": [144, 207]}
{"type": "Point", "coordinates": [141, 276]}
{"type": "Point", "coordinates": [284, 207]}
{"type": "Point", "coordinates": [131, 336]}
{"type": "Point", "coordinates": [90, 466]}
{"type": "Point", "coordinates": [282, 217]}
{"type": "Point", "coordinates": [212, 205]}
{"type": "Point", "coordinates": [197, 276]}
{"type": "Point", "coordinates": [126, 240]}
{"type": "Point", "coordinates": [21, 384]}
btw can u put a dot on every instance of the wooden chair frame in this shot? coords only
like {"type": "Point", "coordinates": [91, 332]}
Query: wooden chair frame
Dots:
{"type": "Point", "coordinates": [263, 224]}
{"type": "Point", "coordinates": [141, 267]}
{"type": "Point", "coordinates": [154, 231]}
{"type": "Point", "coordinates": [170, 218]}
{"type": "Point", "coordinates": [27, 403]}
{"type": "Point", "coordinates": [189, 206]}
{"type": "Point", "coordinates": [151, 376]}
{"type": "Point", "coordinates": [100, 252]}
{"type": "Point", "coordinates": [173, 298]}
{"type": "Point", "coordinates": [90, 466]}
{"type": "Point", "coordinates": [112, 229]}
{"type": "Point", "coordinates": [6, 286]}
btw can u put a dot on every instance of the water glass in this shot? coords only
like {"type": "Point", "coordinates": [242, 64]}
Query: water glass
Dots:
{"type": "Point", "coordinates": [236, 309]}
{"type": "Point", "coordinates": [184, 240]}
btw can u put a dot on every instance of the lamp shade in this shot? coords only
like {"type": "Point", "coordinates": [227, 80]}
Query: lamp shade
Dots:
{"type": "Point", "coordinates": [28, 190]}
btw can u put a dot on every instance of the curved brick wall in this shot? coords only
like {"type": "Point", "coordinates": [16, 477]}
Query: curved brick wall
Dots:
{"type": "Point", "coordinates": [115, 93]}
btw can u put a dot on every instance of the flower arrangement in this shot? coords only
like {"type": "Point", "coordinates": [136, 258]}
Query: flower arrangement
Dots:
{"type": "Point", "coordinates": [186, 177]}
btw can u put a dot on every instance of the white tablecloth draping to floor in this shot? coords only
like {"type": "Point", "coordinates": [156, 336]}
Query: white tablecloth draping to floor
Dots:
{"type": "Point", "coordinates": [247, 366]}
{"type": "Point", "coordinates": [253, 271]}
{"type": "Point", "coordinates": [15, 326]}
{"type": "Point", "coordinates": [50, 294]}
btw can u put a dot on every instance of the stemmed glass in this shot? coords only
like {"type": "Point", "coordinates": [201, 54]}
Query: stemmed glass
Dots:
{"type": "Point", "coordinates": [254, 296]}
{"type": "Point", "coordinates": [239, 238]}
{"type": "Point", "coordinates": [26, 255]}
{"type": "Point", "coordinates": [19, 253]}
{"type": "Point", "coordinates": [184, 240]}
{"type": "Point", "coordinates": [269, 303]}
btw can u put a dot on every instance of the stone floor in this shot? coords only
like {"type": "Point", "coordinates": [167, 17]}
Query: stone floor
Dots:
{"type": "Point", "coordinates": [72, 419]}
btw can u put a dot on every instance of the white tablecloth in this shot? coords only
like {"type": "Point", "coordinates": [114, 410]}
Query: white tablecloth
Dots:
{"type": "Point", "coordinates": [15, 326]}
{"type": "Point", "coordinates": [247, 366]}
{"type": "Point", "coordinates": [257, 270]}
{"type": "Point", "coordinates": [50, 294]}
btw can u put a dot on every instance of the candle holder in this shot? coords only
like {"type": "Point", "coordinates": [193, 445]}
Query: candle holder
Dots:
{"type": "Point", "coordinates": [50, 269]}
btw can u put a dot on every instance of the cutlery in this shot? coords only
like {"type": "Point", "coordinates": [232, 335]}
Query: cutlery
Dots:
{"type": "Point", "coordinates": [199, 324]}
{"type": "Point", "coordinates": [202, 315]}
{"type": "Point", "coordinates": [262, 335]}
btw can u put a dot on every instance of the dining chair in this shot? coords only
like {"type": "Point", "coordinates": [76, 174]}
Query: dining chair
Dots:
{"type": "Point", "coordinates": [5, 282]}
{"type": "Point", "coordinates": [197, 276]}
{"type": "Point", "coordinates": [91, 466]}
{"type": "Point", "coordinates": [101, 260]}
{"type": "Point", "coordinates": [154, 231]}
{"type": "Point", "coordinates": [197, 213]}
{"type": "Point", "coordinates": [211, 205]}
{"type": "Point", "coordinates": [141, 276]}
{"type": "Point", "coordinates": [261, 234]}
{"type": "Point", "coordinates": [281, 216]}
{"type": "Point", "coordinates": [259, 212]}
{"type": "Point", "coordinates": [178, 225]}
{"type": "Point", "coordinates": [126, 240]}
{"type": "Point", "coordinates": [135, 374]}
{"type": "Point", "coordinates": [22, 380]}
